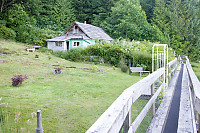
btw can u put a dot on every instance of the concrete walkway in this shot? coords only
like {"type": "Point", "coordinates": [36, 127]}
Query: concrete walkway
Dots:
{"type": "Point", "coordinates": [158, 121]}
{"type": "Point", "coordinates": [173, 116]}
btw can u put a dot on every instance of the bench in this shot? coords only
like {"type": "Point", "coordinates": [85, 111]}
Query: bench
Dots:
{"type": "Point", "coordinates": [36, 47]}
{"type": "Point", "coordinates": [137, 69]}
{"type": "Point", "coordinates": [32, 49]}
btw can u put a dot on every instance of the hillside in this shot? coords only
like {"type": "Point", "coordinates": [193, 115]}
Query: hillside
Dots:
{"type": "Point", "coordinates": [70, 102]}
{"type": "Point", "coordinates": [175, 23]}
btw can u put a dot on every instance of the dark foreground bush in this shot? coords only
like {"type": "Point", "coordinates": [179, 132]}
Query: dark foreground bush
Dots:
{"type": "Point", "coordinates": [18, 79]}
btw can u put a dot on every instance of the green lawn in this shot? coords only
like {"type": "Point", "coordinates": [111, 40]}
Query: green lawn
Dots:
{"type": "Point", "coordinates": [196, 69]}
{"type": "Point", "coordinates": [70, 102]}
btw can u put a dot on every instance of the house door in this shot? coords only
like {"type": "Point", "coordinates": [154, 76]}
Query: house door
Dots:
{"type": "Point", "coordinates": [67, 46]}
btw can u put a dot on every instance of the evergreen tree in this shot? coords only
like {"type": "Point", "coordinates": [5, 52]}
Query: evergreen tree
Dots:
{"type": "Point", "coordinates": [52, 14]}
{"type": "Point", "coordinates": [175, 25]}
{"type": "Point", "coordinates": [193, 33]}
{"type": "Point", "coordinates": [148, 6]}
{"type": "Point", "coordinates": [128, 20]}
{"type": "Point", "coordinates": [160, 18]}
{"type": "Point", "coordinates": [92, 11]}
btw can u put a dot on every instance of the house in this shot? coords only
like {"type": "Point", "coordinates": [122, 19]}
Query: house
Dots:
{"type": "Point", "coordinates": [78, 35]}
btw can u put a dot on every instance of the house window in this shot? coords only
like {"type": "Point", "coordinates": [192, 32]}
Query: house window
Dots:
{"type": "Point", "coordinates": [76, 44]}
{"type": "Point", "coordinates": [59, 44]}
{"type": "Point", "coordinates": [75, 29]}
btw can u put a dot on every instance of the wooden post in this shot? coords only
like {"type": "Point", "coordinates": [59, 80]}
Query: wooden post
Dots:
{"type": "Point", "coordinates": [167, 68]}
{"type": "Point", "coordinates": [39, 128]}
{"type": "Point", "coordinates": [129, 65]}
{"type": "Point", "coordinates": [129, 61]}
{"type": "Point", "coordinates": [157, 62]}
{"type": "Point", "coordinates": [153, 105]}
{"type": "Point", "coordinates": [153, 59]}
{"type": "Point", "coordinates": [126, 123]}
{"type": "Point", "coordinates": [198, 122]}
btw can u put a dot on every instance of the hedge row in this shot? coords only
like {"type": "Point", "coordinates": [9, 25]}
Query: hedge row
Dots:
{"type": "Point", "coordinates": [113, 54]}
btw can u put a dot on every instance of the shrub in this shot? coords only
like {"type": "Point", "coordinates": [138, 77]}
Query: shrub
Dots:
{"type": "Point", "coordinates": [142, 65]}
{"type": "Point", "coordinates": [94, 68]}
{"type": "Point", "coordinates": [49, 57]}
{"type": "Point", "coordinates": [60, 54]}
{"type": "Point", "coordinates": [144, 59]}
{"type": "Point", "coordinates": [124, 68]}
{"type": "Point", "coordinates": [18, 79]}
{"type": "Point", "coordinates": [114, 61]}
{"type": "Point", "coordinates": [95, 60]}
{"type": "Point", "coordinates": [75, 54]}
{"type": "Point", "coordinates": [45, 50]}
{"type": "Point", "coordinates": [7, 33]}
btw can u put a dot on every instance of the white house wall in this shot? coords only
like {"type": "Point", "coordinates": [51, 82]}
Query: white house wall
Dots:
{"type": "Point", "coordinates": [64, 45]}
{"type": "Point", "coordinates": [52, 46]}
{"type": "Point", "coordinates": [85, 44]}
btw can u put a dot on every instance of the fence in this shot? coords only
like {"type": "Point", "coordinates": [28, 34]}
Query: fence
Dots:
{"type": "Point", "coordinates": [117, 118]}
{"type": "Point", "coordinates": [194, 86]}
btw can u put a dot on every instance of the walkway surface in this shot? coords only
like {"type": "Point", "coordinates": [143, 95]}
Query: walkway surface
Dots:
{"type": "Point", "coordinates": [173, 116]}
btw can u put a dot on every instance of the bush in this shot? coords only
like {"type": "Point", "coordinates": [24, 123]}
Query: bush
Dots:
{"type": "Point", "coordinates": [18, 79]}
{"type": "Point", "coordinates": [114, 61]}
{"type": "Point", "coordinates": [143, 59]}
{"type": "Point", "coordinates": [94, 68]}
{"type": "Point", "coordinates": [7, 33]}
{"type": "Point", "coordinates": [95, 60]}
{"type": "Point", "coordinates": [117, 53]}
{"type": "Point", "coordinates": [142, 65]}
{"type": "Point", "coordinates": [74, 54]}
{"type": "Point", "coordinates": [45, 50]}
{"type": "Point", "coordinates": [124, 68]}
{"type": "Point", "coordinates": [61, 54]}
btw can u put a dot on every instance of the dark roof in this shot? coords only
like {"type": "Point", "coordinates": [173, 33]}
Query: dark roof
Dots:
{"type": "Point", "coordinates": [92, 32]}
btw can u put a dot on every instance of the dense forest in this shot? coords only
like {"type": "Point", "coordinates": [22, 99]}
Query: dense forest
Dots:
{"type": "Point", "coordinates": [175, 22]}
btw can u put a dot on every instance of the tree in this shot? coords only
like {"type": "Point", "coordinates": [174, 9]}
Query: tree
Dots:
{"type": "Point", "coordinates": [193, 33]}
{"type": "Point", "coordinates": [52, 14]}
{"type": "Point", "coordinates": [148, 6]}
{"type": "Point", "coordinates": [160, 18]}
{"type": "Point", "coordinates": [128, 20]}
{"type": "Point", "coordinates": [17, 16]}
{"type": "Point", "coordinates": [92, 11]}
{"type": "Point", "coordinates": [62, 14]}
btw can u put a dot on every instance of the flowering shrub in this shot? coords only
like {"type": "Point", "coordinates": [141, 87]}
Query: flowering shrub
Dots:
{"type": "Point", "coordinates": [18, 79]}
{"type": "Point", "coordinates": [137, 52]}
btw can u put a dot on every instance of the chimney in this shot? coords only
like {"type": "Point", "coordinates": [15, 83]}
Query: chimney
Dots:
{"type": "Point", "coordinates": [84, 22]}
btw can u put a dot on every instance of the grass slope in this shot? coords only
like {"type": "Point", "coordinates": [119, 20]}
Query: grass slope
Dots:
{"type": "Point", "coordinates": [70, 102]}
{"type": "Point", "coordinates": [196, 69]}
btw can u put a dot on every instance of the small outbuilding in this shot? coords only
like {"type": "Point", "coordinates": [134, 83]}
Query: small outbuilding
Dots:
{"type": "Point", "coordinates": [78, 35]}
